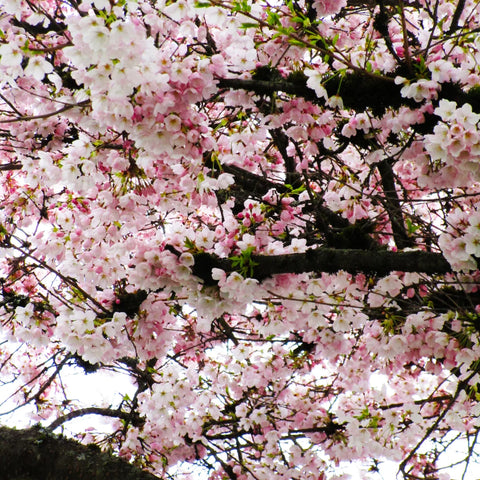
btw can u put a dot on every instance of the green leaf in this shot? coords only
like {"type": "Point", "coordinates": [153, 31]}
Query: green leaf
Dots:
{"type": "Point", "coordinates": [243, 263]}
{"type": "Point", "coordinates": [189, 244]}
{"type": "Point", "coordinates": [273, 19]}
{"type": "Point", "coordinates": [246, 25]}
{"type": "Point", "coordinates": [411, 227]}
{"type": "Point", "coordinates": [295, 191]}
{"type": "Point", "coordinates": [364, 414]}
{"type": "Point", "coordinates": [220, 124]}
{"type": "Point", "coordinates": [295, 42]}
{"type": "Point", "coordinates": [297, 19]}
{"type": "Point", "coordinates": [241, 6]}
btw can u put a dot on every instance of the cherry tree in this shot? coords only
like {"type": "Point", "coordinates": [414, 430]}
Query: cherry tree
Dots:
{"type": "Point", "coordinates": [263, 217]}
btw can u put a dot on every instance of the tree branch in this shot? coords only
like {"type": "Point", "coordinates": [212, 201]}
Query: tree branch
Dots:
{"type": "Point", "coordinates": [36, 454]}
{"type": "Point", "coordinates": [263, 87]}
{"type": "Point", "coordinates": [392, 206]}
{"type": "Point", "coordinates": [281, 140]}
{"type": "Point", "coordinates": [374, 3]}
{"type": "Point", "coordinates": [253, 183]}
{"type": "Point", "coordinates": [10, 166]}
{"type": "Point", "coordinates": [256, 185]}
{"type": "Point", "coordinates": [358, 91]}
{"type": "Point", "coordinates": [329, 260]}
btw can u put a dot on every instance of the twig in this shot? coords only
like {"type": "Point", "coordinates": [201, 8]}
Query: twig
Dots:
{"type": "Point", "coordinates": [83, 103]}
{"type": "Point", "coordinates": [435, 424]}
{"type": "Point", "coordinates": [406, 46]}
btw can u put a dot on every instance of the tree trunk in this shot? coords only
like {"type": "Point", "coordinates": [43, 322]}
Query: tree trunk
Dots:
{"type": "Point", "coordinates": [37, 454]}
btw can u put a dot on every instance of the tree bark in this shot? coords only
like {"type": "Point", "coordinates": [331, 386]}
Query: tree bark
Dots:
{"type": "Point", "coordinates": [37, 454]}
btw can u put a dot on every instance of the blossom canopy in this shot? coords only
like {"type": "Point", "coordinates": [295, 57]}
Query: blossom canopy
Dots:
{"type": "Point", "coordinates": [261, 220]}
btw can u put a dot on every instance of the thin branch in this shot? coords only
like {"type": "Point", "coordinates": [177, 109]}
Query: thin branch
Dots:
{"type": "Point", "coordinates": [280, 140]}
{"type": "Point", "coordinates": [52, 377]}
{"type": "Point", "coordinates": [10, 166]}
{"type": "Point", "coordinates": [134, 418]}
{"type": "Point", "coordinates": [10, 104]}
{"type": "Point", "coordinates": [423, 401]}
{"type": "Point", "coordinates": [456, 16]}
{"type": "Point", "coordinates": [40, 373]}
{"type": "Point", "coordinates": [471, 451]}
{"type": "Point", "coordinates": [406, 46]}
{"type": "Point", "coordinates": [374, 3]}
{"type": "Point", "coordinates": [435, 424]}
{"type": "Point", "coordinates": [83, 103]}
{"type": "Point", "coordinates": [68, 280]}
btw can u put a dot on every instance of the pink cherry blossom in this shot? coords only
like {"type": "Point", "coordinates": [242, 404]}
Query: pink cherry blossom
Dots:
{"type": "Point", "coordinates": [260, 218]}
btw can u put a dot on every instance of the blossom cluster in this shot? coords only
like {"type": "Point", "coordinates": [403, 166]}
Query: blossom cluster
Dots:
{"type": "Point", "coordinates": [453, 148]}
